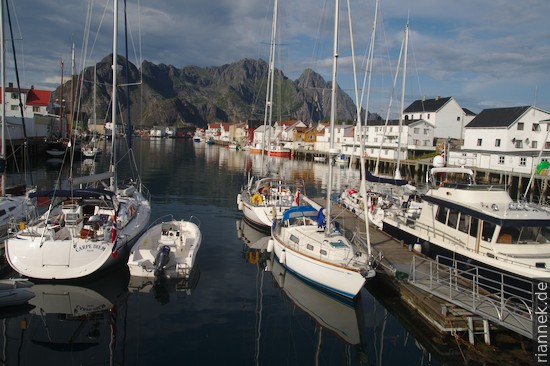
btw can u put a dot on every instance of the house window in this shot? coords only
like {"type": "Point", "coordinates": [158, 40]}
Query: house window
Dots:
{"type": "Point", "coordinates": [14, 96]}
{"type": "Point", "coordinates": [417, 130]}
{"type": "Point", "coordinates": [501, 160]}
{"type": "Point", "coordinates": [36, 109]}
{"type": "Point", "coordinates": [426, 131]}
{"type": "Point", "coordinates": [518, 144]}
{"type": "Point", "coordinates": [497, 142]}
{"type": "Point", "coordinates": [420, 116]}
{"type": "Point", "coordinates": [426, 142]}
{"type": "Point", "coordinates": [458, 119]}
{"type": "Point", "coordinates": [479, 141]}
{"type": "Point", "coordinates": [523, 161]}
{"type": "Point", "coordinates": [536, 127]}
{"type": "Point", "coordinates": [14, 107]}
{"type": "Point", "coordinates": [428, 116]}
{"type": "Point", "coordinates": [547, 145]}
{"type": "Point", "coordinates": [520, 126]}
{"type": "Point", "coordinates": [534, 144]}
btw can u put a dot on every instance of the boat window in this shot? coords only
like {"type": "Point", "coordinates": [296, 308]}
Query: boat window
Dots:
{"type": "Point", "coordinates": [525, 234]}
{"type": "Point", "coordinates": [452, 221]}
{"type": "Point", "coordinates": [474, 222]}
{"type": "Point", "coordinates": [323, 252]}
{"type": "Point", "coordinates": [294, 239]}
{"type": "Point", "coordinates": [309, 247]}
{"type": "Point", "coordinates": [2, 212]}
{"type": "Point", "coordinates": [441, 215]}
{"type": "Point", "coordinates": [487, 231]}
{"type": "Point", "coordinates": [464, 223]}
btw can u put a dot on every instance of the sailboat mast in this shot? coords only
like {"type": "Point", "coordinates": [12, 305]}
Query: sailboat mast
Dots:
{"type": "Point", "coordinates": [3, 108]}
{"type": "Point", "coordinates": [397, 169]}
{"type": "Point", "coordinates": [332, 152]}
{"type": "Point", "coordinates": [61, 103]}
{"type": "Point", "coordinates": [268, 114]}
{"type": "Point", "coordinates": [114, 105]}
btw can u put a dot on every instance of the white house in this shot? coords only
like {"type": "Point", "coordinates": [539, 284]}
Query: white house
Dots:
{"type": "Point", "coordinates": [507, 139]}
{"type": "Point", "coordinates": [35, 110]}
{"type": "Point", "coordinates": [417, 138]}
{"type": "Point", "coordinates": [444, 114]}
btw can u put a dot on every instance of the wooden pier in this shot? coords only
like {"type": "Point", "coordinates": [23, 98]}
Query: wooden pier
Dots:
{"type": "Point", "coordinates": [395, 267]}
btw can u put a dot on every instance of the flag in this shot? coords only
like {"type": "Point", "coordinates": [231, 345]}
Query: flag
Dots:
{"type": "Point", "coordinates": [444, 155]}
{"type": "Point", "coordinates": [114, 251]}
{"type": "Point", "coordinates": [297, 200]}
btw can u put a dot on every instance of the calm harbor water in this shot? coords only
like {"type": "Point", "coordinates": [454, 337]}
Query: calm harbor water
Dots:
{"type": "Point", "coordinates": [240, 309]}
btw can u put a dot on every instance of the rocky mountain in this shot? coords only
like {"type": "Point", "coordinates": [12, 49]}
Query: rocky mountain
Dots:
{"type": "Point", "coordinates": [164, 95]}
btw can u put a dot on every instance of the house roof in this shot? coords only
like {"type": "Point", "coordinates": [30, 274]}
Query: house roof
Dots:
{"type": "Point", "coordinates": [34, 96]}
{"type": "Point", "coordinates": [427, 105]}
{"type": "Point", "coordinates": [468, 112]}
{"type": "Point", "coordinates": [38, 97]}
{"type": "Point", "coordinates": [497, 117]}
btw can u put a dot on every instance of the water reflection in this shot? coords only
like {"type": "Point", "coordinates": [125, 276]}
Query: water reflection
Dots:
{"type": "Point", "coordinates": [69, 323]}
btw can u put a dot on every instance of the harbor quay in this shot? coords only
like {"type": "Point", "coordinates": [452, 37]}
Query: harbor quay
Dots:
{"type": "Point", "coordinates": [437, 319]}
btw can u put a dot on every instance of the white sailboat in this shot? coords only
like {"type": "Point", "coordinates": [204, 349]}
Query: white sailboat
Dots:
{"type": "Point", "coordinates": [91, 150]}
{"type": "Point", "coordinates": [315, 250]}
{"type": "Point", "coordinates": [265, 201]}
{"type": "Point", "coordinates": [84, 230]}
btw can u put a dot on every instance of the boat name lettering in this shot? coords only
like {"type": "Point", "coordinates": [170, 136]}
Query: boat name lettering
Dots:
{"type": "Point", "coordinates": [90, 247]}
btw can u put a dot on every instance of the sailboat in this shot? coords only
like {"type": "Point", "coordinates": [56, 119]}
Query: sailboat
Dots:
{"type": "Point", "coordinates": [13, 207]}
{"type": "Point", "coordinates": [267, 199]}
{"type": "Point", "coordinates": [309, 243]}
{"type": "Point", "coordinates": [84, 230]}
{"type": "Point", "coordinates": [91, 150]}
{"type": "Point", "coordinates": [382, 193]}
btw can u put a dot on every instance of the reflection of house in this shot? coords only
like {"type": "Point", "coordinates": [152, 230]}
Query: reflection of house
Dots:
{"type": "Point", "coordinates": [444, 114]}
{"type": "Point", "coordinates": [507, 139]}
{"type": "Point", "coordinates": [35, 110]}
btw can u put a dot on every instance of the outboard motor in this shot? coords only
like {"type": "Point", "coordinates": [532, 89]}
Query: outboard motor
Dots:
{"type": "Point", "coordinates": [161, 260]}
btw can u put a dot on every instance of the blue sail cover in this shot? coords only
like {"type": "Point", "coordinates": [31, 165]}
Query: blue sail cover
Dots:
{"type": "Point", "coordinates": [373, 178]}
{"type": "Point", "coordinates": [299, 211]}
{"type": "Point", "coordinates": [83, 193]}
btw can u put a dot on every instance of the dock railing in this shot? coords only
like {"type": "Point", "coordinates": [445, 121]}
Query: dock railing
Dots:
{"type": "Point", "coordinates": [503, 299]}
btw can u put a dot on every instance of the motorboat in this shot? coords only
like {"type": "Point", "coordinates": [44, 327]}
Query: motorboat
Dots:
{"type": "Point", "coordinates": [474, 223]}
{"type": "Point", "coordinates": [15, 291]}
{"type": "Point", "coordinates": [268, 199]}
{"type": "Point", "coordinates": [166, 250]}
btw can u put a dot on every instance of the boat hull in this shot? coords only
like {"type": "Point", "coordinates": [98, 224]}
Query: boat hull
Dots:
{"type": "Point", "coordinates": [184, 241]}
{"type": "Point", "coordinates": [36, 252]}
{"type": "Point", "coordinates": [337, 280]}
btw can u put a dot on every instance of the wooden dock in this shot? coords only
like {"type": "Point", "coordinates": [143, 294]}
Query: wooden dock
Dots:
{"type": "Point", "coordinates": [395, 261]}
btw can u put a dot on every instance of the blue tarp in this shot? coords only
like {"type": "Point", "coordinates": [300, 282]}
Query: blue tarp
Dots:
{"type": "Point", "coordinates": [299, 211]}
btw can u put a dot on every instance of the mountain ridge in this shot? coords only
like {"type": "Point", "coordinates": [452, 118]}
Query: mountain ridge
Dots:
{"type": "Point", "coordinates": [163, 95]}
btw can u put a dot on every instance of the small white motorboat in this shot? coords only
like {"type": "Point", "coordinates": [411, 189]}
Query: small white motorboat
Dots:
{"type": "Point", "coordinates": [15, 291]}
{"type": "Point", "coordinates": [166, 250]}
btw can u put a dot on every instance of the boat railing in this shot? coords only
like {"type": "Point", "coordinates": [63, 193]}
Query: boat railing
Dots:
{"type": "Point", "coordinates": [505, 299]}
{"type": "Point", "coordinates": [429, 230]}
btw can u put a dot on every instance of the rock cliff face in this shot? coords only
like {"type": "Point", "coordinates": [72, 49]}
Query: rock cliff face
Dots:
{"type": "Point", "coordinates": [168, 96]}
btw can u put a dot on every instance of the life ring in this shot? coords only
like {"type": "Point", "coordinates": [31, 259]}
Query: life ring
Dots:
{"type": "Point", "coordinates": [257, 199]}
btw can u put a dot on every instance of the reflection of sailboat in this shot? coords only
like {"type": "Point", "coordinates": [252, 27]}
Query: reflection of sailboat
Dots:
{"type": "Point", "coordinates": [329, 312]}
{"type": "Point", "coordinates": [72, 323]}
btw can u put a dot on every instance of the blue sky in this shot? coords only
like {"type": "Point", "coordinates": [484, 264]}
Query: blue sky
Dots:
{"type": "Point", "coordinates": [485, 54]}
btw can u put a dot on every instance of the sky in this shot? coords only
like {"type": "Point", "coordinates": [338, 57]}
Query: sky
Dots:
{"type": "Point", "coordinates": [484, 54]}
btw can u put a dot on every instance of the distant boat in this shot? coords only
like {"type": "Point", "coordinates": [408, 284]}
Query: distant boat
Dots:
{"type": "Point", "coordinates": [167, 250]}
{"type": "Point", "coordinates": [341, 159]}
{"type": "Point", "coordinates": [278, 150]}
